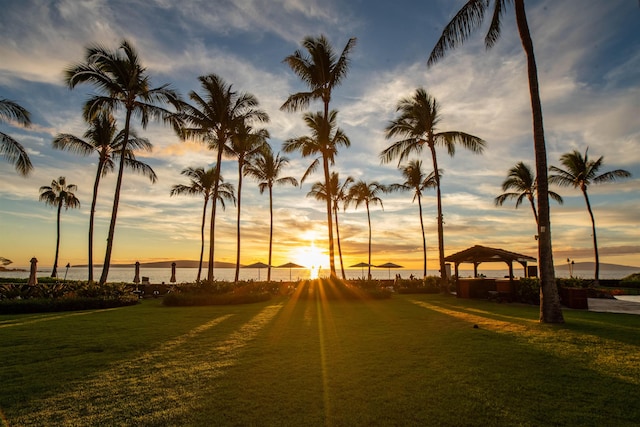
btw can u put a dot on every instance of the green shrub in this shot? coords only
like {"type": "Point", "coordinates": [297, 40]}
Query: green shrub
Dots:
{"type": "Point", "coordinates": [428, 285]}
{"type": "Point", "coordinates": [631, 281]}
{"type": "Point", "coordinates": [189, 299]}
{"type": "Point", "coordinates": [527, 290]}
{"type": "Point", "coordinates": [573, 282]}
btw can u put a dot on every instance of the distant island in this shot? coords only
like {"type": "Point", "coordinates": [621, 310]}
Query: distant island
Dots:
{"type": "Point", "coordinates": [591, 265]}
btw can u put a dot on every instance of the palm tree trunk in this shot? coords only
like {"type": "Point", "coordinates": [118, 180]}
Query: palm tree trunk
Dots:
{"type": "Point", "coordinates": [550, 310]}
{"type": "Point", "coordinates": [335, 212]}
{"type": "Point", "coordinates": [270, 231]}
{"type": "Point", "coordinates": [443, 277]}
{"type": "Point", "coordinates": [116, 201]}
{"type": "Point", "coordinates": [92, 213]}
{"type": "Point", "coordinates": [54, 272]}
{"type": "Point", "coordinates": [424, 239]}
{"type": "Point", "coordinates": [369, 261]}
{"type": "Point", "coordinates": [327, 183]}
{"type": "Point", "coordinates": [533, 207]}
{"type": "Point", "coordinates": [595, 240]}
{"type": "Point", "coordinates": [204, 216]}
{"type": "Point", "coordinates": [240, 163]}
{"type": "Point", "coordinates": [213, 212]}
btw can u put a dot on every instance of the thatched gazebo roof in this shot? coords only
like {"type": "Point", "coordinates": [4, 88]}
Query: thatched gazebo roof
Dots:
{"type": "Point", "coordinates": [479, 254]}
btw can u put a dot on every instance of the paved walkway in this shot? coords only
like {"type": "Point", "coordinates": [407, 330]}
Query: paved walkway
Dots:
{"type": "Point", "coordinates": [628, 304]}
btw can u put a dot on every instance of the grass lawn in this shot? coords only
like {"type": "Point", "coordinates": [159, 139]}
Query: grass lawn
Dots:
{"type": "Point", "coordinates": [410, 360]}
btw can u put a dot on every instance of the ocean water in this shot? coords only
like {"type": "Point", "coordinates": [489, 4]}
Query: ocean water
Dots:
{"type": "Point", "coordinates": [188, 275]}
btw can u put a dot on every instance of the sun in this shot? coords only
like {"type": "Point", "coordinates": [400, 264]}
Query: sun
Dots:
{"type": "Point", "coordinates": [313, 258]}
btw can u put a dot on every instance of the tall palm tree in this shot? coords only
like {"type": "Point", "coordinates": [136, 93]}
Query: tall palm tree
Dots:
{"type": "Point", "coordinates": [415, 180]}
{"type": "Point", "coordinates": [124, 84]}
{"type": "Point", "coordinates": [367, 193]}
{"type": "Point", "coordinates": [267, 169]}
{"type": "Point", "coordinates": [245, 143]}
{"type": "Point", "coordinates": [338, 194]}
{"type": "Point", "coordinates": [103, 138]}
{"type": "Point", "coordinates": [580, 172]}
{"type": "Point", "coordinates": [417, 123]}
{"type": "Point", "coordinates": [322, 70]}
{"type": "Point", "coordinates": [202, 183]}
{"type": "Point", "coordinates": [59, 194]}
{"type": "Point", "coordinates": [468, 19]}
{"type": "Point", "coordinates": [522, 180]}
{"type": "Point", "coordinates": [213, 119]}
{"type": "Point", "coordinates": [11, 149]}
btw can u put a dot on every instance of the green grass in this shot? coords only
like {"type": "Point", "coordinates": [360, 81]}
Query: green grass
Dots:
{"type": "Point", "coordinates": [410, 360]}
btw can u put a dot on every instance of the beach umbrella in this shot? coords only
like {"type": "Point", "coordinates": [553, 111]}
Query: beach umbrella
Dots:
{"type": "Point", "coordinates": [361, 265]}
{"type": "Point", "coordinates": [173, 273]}
{"type": "Point", "coordinates": [389, 266]}
{"type": "Point", "coordinates": [258, 265]}
{"type": "Point", "coordinates": [290, 265]}
{"type": "Point", "coordinates": [136, 277]}
{"type": "Point", "coordinates": [33, 280]}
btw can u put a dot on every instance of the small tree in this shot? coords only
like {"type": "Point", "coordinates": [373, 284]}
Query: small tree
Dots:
{"type": "Point", "coordinates": [580, 172]}
{"type": "Point", "coordinates": [59, 194]}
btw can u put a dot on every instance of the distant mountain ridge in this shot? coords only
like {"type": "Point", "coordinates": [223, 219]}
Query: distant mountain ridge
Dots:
{"type": "Point", "coordinates": [592, 265]}
{"type": "Point", "coordinates": [167, 264]}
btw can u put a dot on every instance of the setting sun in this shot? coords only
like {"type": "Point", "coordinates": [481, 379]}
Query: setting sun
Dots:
{"type": "Point", "coordinates": [313, 258]}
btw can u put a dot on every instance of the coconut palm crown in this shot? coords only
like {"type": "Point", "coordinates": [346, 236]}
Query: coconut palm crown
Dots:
{"type": "Point", "coordinates": [11, 149]}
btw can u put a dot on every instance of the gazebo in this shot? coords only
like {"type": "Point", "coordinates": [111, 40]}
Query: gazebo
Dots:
{"type": "Point", "coordinates": [479, 254]}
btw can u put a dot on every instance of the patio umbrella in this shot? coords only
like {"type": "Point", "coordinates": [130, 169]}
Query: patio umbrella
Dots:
{"type": "Point", "coordinates": [389, 266]}
{"type": "Point", "coordinates": [362, 265]}
{"type": "Point", "coordinates": [290, 265]}
{"type": "Point", "coordinates": [136, 277]}
{"type": "Point", "coordinates": [33, 280]}
{"type": "Point", "coordinates": [173, 273]}
{"type": "Point", "coordinates": [257, 265]}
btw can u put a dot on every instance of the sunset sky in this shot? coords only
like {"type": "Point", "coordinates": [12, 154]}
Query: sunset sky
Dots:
{"type": "Point", "coordinates": [588, 55]}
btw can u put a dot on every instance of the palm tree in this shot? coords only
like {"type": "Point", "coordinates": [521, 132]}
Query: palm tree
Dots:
{"type": "Point", "coordinates": [202, 183]}
{"type": "Point", "coordinates": [59, 194]}
{"type": "Point", "coordinates": [322, 70]}
{"type": "Point", "coordinates": [338, 194]}
{"type": "Point", "coordinates": [11, 149]}
{"type": "Point", "coordinates": [417, 181]}
{"type": "Point", "coordinates": [522, 180]}
{"type": "Point", "coordinates": [580, 172]}
{"type": "Point", "coordinates": [214, 119]}
{"type": "Point", "coordinates": [245, 143]}
{"type": "Point", "coordinates": [124, 84]}
{"type": "Point", "coordinates": [367, 193]}
{"type": "Point", "coordinates": [266, 169]}
{"type": "Point", "coordinates": [103, 138]}
{"type": "Point", "coordinates": [417, 124]}
{"type": "Point", "coordinates": [468, 19]}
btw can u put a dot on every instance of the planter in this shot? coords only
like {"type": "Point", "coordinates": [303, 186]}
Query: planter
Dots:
{"type": "Point", "coordinates": [575, 297]}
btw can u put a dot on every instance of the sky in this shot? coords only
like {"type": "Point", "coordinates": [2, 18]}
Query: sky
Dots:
{"type": "Point", "coordinates": [588, 57]}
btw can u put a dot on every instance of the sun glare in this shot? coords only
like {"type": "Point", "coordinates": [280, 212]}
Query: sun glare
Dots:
{"type": "Point", "coordinates": [313, 258]}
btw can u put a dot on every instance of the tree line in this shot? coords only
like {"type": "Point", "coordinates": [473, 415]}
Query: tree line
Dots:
{"type": "Point", "coordinates": [226, 121]}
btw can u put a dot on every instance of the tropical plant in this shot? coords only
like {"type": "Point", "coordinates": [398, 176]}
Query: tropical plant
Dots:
{"type": "Point", "coordinates": [468, 19]}
{"type": "Point", "coordinates": [11, 149]}
{"type": "Point", "coordinates": [338, 194]}
{"type": "Point", "coordinates": [201, 184]}
{"type": "Point", "coordinates": [417, 123]}
{"type": "Point", "coordinates": [266, 169]}
{"type": "Point", "coordinates": [59, 194]}
{"type": "Point", "coordinates": [581, 172]}
{"type": "Point", "coordinates": [245, 144]}
{"type": "Point", "coordinates": [124, 84]}
{"type": "Point", "coordinates": [213, 119]}
{"type": "Point", "coordinates": [368, 193]}
{"type": "Point", "coordinates": [417, 181]}
{"type": "Point", "coordinates": [103, 138]}
{"type": "Point", "coordinates": [322, 70]}
{"type": "Point", "coordinates": [521, 179]}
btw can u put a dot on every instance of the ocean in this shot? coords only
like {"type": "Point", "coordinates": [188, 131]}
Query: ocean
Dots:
{"type": "Point", "coordinates": [188, 275]}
